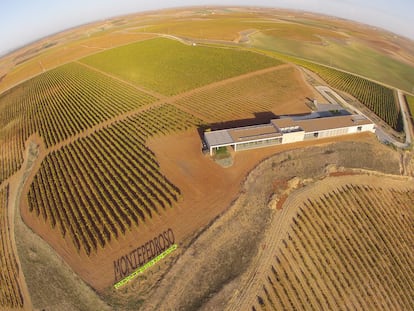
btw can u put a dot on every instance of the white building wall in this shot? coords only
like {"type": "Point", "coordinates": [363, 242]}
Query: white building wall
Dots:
{"type": "Point", "coordinates": [353, 129]}
{"type": "Point", "coordinates": [293, 137]}
{"type": "Point", "coordinates": [369, 127]}
{"type": "Point", "coordinates": [333, 132]}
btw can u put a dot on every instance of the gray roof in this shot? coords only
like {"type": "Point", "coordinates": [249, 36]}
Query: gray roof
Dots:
{"type": "Point", "coordinates": [221, 137]}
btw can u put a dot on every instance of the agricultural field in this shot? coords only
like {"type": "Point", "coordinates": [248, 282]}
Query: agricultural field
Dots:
{"type": "Point", "coordinates": [379, 99]}
{"type": "Point", "coordinates": [183, 68]}
{"type": "Point", "coordinates": [347, 54]}
{"type": "Point", "coordinates": [10, 292]}
{"type": "Point", "coordinates": [108, 118]}
{"type": "Point", "coordinates": [271, 92]}
{"type": "Point", "coordinates": [57, 107]}
{"type": "Point", "coordinates": [348, 246]}
{"type": "Point", "coordinates": [110, 168]}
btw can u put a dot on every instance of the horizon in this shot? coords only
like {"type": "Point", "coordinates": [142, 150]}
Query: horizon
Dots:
{"type": "Point", "coordinates": [52, 23]}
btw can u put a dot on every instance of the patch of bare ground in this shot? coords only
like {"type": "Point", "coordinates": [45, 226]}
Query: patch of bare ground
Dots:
{"type": "Point", "coordinates": [210, 268]}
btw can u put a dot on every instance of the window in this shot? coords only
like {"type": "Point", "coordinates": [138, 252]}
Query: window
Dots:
{"type": "Point", "coordinates": [359, 128]}
{"type": "Point", "coordinates": [316, 134]}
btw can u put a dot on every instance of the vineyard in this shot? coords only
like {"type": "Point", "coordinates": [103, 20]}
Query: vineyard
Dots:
{"type": "Point", "coordinates": [10, 293]}
{"type": "Point", "coordinates": [183, 68]}
{"type": "Point", "coordinates": [378, 98]}
{"type": "Point", "coordinates": [349, 248]}
{"type": "Point", "coordinates": [59, 104]}
{"type": "Point", "coordinates": [98, 187]}
{"type": "Point", "coordinates": [271, 91]}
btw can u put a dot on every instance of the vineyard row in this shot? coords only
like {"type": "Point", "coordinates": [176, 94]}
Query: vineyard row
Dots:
{"type": "Point", "coordinates": [348, 249]}
{"type": "Point", "coordinates": [58, 104]}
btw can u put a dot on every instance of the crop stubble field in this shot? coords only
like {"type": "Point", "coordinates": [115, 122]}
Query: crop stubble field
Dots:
{"type": "Point", "coordinates": [97, 184]}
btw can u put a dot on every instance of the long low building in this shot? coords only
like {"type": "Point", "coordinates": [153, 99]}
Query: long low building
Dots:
{"type": "Point", "coordinates": [286, 130]}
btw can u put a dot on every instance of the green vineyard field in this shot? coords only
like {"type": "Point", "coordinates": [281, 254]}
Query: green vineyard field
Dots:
{"type": "Point", "coordinates": [100, 186]}
{"type": "Point", "coordinates": [378, 98]}
{"type": "Point", "coordinates": [348, 249]}
{"type": "Point", "coordinates": [170, 67]}
{"type": "Point", "coordinates": [10, 292]}
{"type": "Point", "coordinates": [57, 105]}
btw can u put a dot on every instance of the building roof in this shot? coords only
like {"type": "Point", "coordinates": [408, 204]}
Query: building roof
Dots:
{"type": "Point", "coordinates": [320, 124]}
{"type": "Point", "coordinates": [221, 137]}
{"type": "Point", "coordinates": [277, 127]}
{"type": "Point", "coordinates": [254, 132]}
{"type": "Point", "coordinates": [285, 122]}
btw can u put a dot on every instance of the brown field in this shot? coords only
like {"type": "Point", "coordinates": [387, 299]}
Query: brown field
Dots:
{"type": "Point", "coordinates": [250, 236]}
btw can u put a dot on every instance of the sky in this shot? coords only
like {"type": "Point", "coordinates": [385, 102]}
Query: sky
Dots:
{"type": "Point", "coordinates": [24, 21]}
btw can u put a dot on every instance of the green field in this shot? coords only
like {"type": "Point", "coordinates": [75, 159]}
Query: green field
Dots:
{"type": "Point", "coordinates": [410, 100]}
{"type": "Point", "coordinates": [351, 56]}
{"type": "Point", "coordinates": [170, 67]}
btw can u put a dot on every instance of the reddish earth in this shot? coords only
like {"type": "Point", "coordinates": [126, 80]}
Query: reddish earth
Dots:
{"type": "Point", "coordinates": [207, 190]}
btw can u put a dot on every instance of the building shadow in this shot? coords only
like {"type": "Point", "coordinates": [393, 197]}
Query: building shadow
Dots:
{"type": "Point", "coordinates": [262, 117]}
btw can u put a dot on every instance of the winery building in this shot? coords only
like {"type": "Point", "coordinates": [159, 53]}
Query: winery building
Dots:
{"type": "Point", "coordinates": [286, 130]}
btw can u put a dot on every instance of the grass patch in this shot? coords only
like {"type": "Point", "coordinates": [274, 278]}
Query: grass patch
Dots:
{"type": "Point", "coordinates": [170, 67]}
{"type": "Point", "coordinates": [221, 152]}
